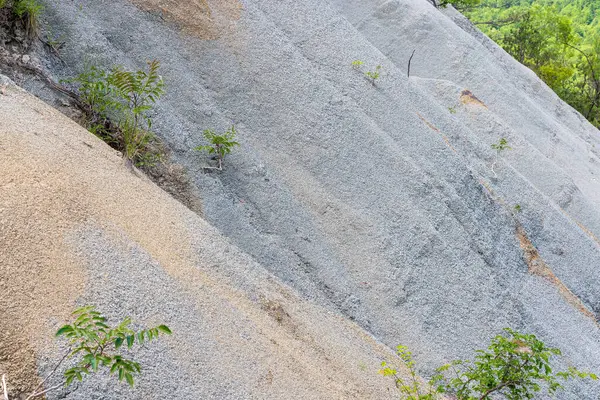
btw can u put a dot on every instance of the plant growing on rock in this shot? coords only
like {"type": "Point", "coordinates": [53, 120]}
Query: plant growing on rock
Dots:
{"type": "Point", "coordinates": [29, 12]}
{"type": "Point", "coordinates": [372, 76]}
{"type": "Point", "coordinates": [500, 147]}
{"type": "Point", "coordinates": [118, 104]}
{"type": "Point", "coordinates": [95, 345]}
{"type": "Point", "coordinates": [95, 91]}
{"type": "Point", "coordinates": [357, 64]}
{"type": "Point", "coordinates": [411, 388]}
{"type": "Point", "coordinates": [515, 366]}
{"type": "Point", "coordinates": [135, 92]}
{"type": "Point", "coordinates": [220, 145]}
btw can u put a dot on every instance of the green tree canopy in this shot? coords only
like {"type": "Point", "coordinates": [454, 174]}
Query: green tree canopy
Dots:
{"type": "Point", "coordinates": [558, 39]}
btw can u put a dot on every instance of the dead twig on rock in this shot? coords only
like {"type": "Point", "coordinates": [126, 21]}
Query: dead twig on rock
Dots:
{"type": "Point", "coordinates": [54, 47]}
{"type": "Point", "coordinates": [409, 61]}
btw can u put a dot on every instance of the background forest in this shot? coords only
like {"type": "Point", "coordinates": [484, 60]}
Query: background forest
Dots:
{"type": "Point", "coordinates": [558, 39]}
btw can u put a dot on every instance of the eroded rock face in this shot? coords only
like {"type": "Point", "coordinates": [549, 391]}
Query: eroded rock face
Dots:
{"type": "Point", "coordinates": [77, 226]}
{"type": "Point", "coordinates": [201, 18]}
{"type": "Point", "coordinates": [384, 201]}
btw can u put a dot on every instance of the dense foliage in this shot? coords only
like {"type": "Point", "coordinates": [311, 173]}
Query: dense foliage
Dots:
{"type": "Point", "coordinates": [515, 366]}
{"type": "Point", "coordinates": [558, 39]}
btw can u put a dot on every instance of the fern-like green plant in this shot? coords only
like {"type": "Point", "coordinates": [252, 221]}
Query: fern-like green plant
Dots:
{"type": "Point", "coordinates": [118, 105]}
{"type": "Point", "coordinates": [29, 12]}
{"type": "Point", "coordinates": [220, 145]}
{"type": "Point", "coordinates": [136, 91]}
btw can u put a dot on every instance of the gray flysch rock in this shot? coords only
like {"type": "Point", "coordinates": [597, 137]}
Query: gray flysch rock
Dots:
{"type": "Point", "coordinates": [78, 227]}
{"type": "Point", "coordinates": [377, 201]}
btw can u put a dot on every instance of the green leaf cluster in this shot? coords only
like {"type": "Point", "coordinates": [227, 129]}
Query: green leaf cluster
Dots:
{"type": "Point", "coordinates": [501, 146]}
{"type": "Point", "coordinates": [459, 4]}
{"type": "Point", "coordinates": [28, 11]}
{"type": "Point", "coordinates": [558, 39]}
{"type": "Point", "coordinates": [357, 63]}
{"type": "Point", "coordinates": [515, 366]}
{"type": "Point", "coordinates": [410, 388]}
{"type": "Point", "coordinates": [97, 345]}
{"type": "Point", "coordinates": [372, 76]}
{"type": "Point", "coordinates": [220, 145]}
{"type": "Point", "coordinates": [125, 98]}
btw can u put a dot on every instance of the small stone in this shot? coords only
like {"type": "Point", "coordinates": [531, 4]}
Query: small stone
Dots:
{"type": "Point", "coordinates": [26, 58]}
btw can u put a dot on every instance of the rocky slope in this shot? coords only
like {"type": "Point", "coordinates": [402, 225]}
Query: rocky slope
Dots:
{"type": "Point", "coordinates": [383, 202]}
{"type": "Point", "coordinates": [79, 227]}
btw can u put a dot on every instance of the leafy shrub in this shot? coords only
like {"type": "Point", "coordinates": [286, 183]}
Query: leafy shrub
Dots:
{"type": "Point", "coordinates": [515, 366]}
{"type": "Point", "coordinates": [135, 92]}
{"type": "Point", "coordinates": [118, 104]}
{"type": "Point", "coordinates": [29, 12]}
{"type": "Point", "coordinates": [96, 345]}
{"type": "Point", "coordinates": [220, 145]}
{"type": "Point", "coordinates": [95, 92]}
